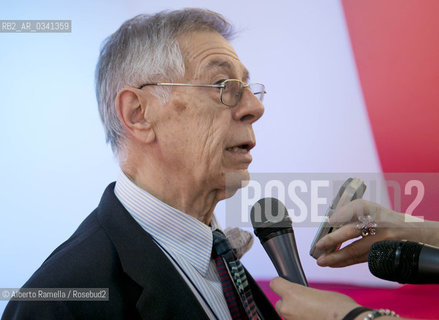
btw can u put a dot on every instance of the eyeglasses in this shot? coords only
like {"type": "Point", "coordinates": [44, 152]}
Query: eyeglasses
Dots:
{"type": "Point", "coordinates": [230, 89]}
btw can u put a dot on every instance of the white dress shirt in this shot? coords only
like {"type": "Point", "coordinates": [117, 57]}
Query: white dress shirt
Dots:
{"type": "Point", "coordinates": [186, 239]}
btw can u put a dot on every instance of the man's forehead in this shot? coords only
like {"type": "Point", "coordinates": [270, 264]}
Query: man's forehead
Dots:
{"type": "Point", "coordinates": [208, 51]}
{"type": "Point", "coordinates": [226, 65]}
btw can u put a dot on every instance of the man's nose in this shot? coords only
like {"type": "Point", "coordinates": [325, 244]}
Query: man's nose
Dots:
{"type": "Point", "coordinates": [249, 108]}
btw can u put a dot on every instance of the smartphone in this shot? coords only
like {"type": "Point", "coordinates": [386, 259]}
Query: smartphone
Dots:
{"type": "Point", "coordinates": [352, 188]}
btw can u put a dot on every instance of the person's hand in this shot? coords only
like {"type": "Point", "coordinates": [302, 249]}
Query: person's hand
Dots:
{"type": "Point", "coordinates": [391, 225]}
{"type": "Point", "coordinates": [303, 303]}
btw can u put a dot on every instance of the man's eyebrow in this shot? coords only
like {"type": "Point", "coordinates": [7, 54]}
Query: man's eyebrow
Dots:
{"type": "Point", "coordinates": [226, 65]}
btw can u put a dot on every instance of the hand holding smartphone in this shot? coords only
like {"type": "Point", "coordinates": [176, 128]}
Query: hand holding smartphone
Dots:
{"type": "Point", "coordinates": [352, 188]}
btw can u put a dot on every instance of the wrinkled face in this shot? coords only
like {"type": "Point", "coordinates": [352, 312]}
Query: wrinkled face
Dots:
{"type": "Point", "coordinates": [200, 139]}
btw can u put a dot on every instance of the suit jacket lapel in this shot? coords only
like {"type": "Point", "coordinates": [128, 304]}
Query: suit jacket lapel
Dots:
{"type": "Point", "coordinates": [165, 294]}
{"type": "Point", "coordinates": [263, 304]}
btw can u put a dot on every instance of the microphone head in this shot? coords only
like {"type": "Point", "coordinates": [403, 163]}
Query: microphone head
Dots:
{"type": "Point", "coordinates": [269, 217]}
{"type": "Point", "coordinates": [394, 260]}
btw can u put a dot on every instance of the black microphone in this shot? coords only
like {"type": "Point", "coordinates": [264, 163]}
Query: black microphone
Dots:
{"type": "Point", "coordinates": [272, 226]}
{"type": "Point", "coordinates": [404, 262]}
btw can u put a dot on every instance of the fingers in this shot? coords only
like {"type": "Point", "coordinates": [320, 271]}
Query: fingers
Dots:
{"type": "Point", "coordinates": [356, 252]}
{"type": "Point", "coordinates": [355, 209]}
{"type": "Point", "coordinates": [286, 290]}
{"type": "Point", "coordinates": [291, 306]}
{"type": "Point", "coordinates": [281, 286]}
{"type": "Point", "coordinates": [303, 303]}
{"type": "Point", "coordinates": [347, 232]}
{"type": "Point", "coordinates": [280, 308]}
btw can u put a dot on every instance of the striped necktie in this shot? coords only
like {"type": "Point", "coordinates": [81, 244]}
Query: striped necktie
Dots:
{"type": "Point", "coordinates": [226, 262]}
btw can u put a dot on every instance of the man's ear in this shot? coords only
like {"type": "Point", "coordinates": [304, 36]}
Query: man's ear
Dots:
{"type": "Point", "coordinates": [132, 110]}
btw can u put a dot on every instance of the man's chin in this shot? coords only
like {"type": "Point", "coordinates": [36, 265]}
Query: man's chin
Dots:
{"type": "Point", "coordinates": [236, 180]}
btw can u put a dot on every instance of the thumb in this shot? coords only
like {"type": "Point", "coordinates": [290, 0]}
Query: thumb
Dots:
{"type": "Point", "coordinates": [282, 287]}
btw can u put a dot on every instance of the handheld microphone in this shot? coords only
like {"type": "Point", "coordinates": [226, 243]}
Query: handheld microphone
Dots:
{"type": "Point", "coordinates": [272, 226]}
{"type": "Point", "coordinates": [404, 262]}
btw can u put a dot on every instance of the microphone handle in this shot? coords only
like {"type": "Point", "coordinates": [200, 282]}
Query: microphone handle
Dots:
{"type": "Point", "coordinates": [428, 265]}
{"type": "Point", "coordinates": [283, 253]}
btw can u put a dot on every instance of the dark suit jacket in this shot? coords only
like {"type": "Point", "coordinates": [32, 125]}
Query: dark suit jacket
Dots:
{"type": "Point", "coordinates": [110, 250]}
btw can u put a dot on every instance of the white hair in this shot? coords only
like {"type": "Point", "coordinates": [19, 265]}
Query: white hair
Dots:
{"type": "Point", "coordinates": [145, 49]}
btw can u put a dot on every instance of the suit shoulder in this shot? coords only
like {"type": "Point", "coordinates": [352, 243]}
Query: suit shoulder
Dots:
{"type": "Point", "coordinates": [87, 257]}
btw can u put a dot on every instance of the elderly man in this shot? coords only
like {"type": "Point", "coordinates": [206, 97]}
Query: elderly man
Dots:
{"type": "Point", "coordinates": [178, 112]}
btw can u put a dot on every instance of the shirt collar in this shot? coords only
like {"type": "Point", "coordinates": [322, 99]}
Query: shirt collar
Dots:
{"type": "Point", "coordinates": [179, 233]}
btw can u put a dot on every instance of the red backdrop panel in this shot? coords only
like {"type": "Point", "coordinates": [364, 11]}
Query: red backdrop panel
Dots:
{"type": "Point", "coordinates": [396, 49]}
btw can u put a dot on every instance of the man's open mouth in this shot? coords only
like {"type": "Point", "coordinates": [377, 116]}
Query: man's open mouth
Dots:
{"type": "Point", "coordinates": [242, 148]}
